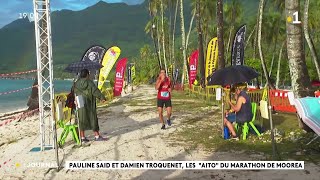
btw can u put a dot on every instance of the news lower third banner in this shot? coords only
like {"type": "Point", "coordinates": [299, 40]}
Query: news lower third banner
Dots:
{"type": "Point", "coordinates": [180, 165]}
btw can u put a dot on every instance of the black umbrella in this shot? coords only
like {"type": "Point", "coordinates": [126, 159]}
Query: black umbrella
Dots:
{"type": "Point", "coordinates": [232, 75]}
{"type": "Point", "coordinates": [76, 67]}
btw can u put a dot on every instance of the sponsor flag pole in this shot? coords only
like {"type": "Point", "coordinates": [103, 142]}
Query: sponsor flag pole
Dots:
{"type": "Point", "coordinates": [237, 53]}
{"type": "Point", "coordinates": [109, 59]}
{"type": "Point", "coordinates": [211, 58]}
{"type": "Point", "coordinates": [193, 64]}
{"type": "Point", "coordinates": [95, 54]}
{"type": "Point", "coordinates": [120, 70]}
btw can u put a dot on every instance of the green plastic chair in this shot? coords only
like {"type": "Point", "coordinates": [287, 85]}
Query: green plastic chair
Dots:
{"type": "Point", "coordinates": [67, 128]}
{"type": "Point", "coordinates": [245, 126]}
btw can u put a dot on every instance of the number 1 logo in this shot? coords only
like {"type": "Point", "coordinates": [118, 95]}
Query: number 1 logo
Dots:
{"type": "Point", "coordinates": [296, 18]}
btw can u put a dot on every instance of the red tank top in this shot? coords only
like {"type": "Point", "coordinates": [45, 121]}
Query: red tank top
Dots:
{"type": "Point", "coordinates": [163, 92]}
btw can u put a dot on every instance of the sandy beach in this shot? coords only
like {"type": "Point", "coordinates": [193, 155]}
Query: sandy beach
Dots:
{"type": "Point", "coordinates": [133, 132]}
{"type": "Point", "coordinates": [6, 115]}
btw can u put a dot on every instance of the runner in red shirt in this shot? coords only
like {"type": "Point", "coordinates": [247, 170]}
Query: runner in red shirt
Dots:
{"type": "Point", "coordinates": [163, 85]}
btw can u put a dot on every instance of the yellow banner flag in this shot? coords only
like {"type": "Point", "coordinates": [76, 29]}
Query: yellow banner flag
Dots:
{"type": "Point", "coordinates": [212, 57]}
{"type": "Point", "coordinates": [170, 71]}
{"type": "Point", "coordinates": [133, 73]}
{"type": "Point", "coordinates": [109, 59]}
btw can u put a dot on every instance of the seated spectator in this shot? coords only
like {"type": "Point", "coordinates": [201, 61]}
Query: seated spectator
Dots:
{"type": "Point", "coordinates": [241, 110]}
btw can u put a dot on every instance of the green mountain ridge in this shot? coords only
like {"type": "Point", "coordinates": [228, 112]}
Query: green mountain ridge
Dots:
{"type": "Point", "coordinates": [73, 32]}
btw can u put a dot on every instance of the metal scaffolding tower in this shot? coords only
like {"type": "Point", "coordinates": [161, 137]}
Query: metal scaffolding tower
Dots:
{"type": "Point", "coordinates": [45, 73]}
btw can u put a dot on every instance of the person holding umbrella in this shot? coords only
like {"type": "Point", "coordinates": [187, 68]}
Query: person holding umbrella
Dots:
{"type": "Point", "coordinates": [88, 119]}
{"type": "Point", "coordinates": [235, 75]}
{"type": "Point", "coordinates": [242, 110]}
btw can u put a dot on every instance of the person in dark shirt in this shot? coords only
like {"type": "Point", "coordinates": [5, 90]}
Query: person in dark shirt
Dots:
{"type": "Point", "coordinates": [242, 110]}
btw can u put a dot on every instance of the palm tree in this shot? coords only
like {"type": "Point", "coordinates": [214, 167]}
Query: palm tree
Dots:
{"type": "Point", "coordinates": [250, 35]}
{"type": "Point", "coordinates": [152, 26]}
{"type": "Point", "coordinates": [204, 11]}
{"type": "Point", "coordinates": [255, 37]}
{"type": "Point", "coordinates": [200, 47]}
{"type": "Point", "coordinates": [308, 39]}
{"type": "Point", "coordinates": [183, 43]}
{"type": "Point", "coordinates": [300, 79]}
{"type": "Point", "coordinates": [174, 30]}
{"type": "Point", "coordinates": [158, 40]}
{"type": "Point", "coordinates": [233, 13]}
{"type": "Point", "coordinates": [163, 37]}
{"type": "Point", "coordinates": [263, 63]}
{"type": "Point", "coordinates": [279, 65]}
{"type": "Point", "coordinates": [207, 20]}
{"type": "Point", "coordinates": [275, 30]}
{"type": "Point", "coordinates": [221, 62]}
{"type": "Point", "coordinates": [279, 29]}
{"type": "Point", "coordinates": [169, 7]}
{"type": "Point", "coordinates": [190, 28]}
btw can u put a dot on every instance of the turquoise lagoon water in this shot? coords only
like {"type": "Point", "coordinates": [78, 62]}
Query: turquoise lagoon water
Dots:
{"type": "Point", "coordinates": [16, 101]}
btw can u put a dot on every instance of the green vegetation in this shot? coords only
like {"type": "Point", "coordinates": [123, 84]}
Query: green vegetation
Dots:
{"type": "Point", "coordinates": [73, 33]}
{"type": "Point", "coordinates": [202, 129]}
{"type": "Point", "coordinates": [273, 34]}
{"type": "Point", "coordinates": [122, 25]}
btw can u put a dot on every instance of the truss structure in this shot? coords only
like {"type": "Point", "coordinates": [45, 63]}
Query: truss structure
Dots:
{"type": "Point", "coordinates": [45, 73]}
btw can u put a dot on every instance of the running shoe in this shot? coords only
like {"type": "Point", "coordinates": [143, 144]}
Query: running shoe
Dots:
{"type": "Point", "coordinates": [169, 122]}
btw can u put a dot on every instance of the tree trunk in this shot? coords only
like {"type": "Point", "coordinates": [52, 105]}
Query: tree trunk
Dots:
{"type": "Point", "coordinates": [169, 33]}
{"type": "Point", "coordinates": [154, 33]}
{"type": "Point", "coordinates": [190, 28]}
{"type": "Point", "coordinates": [155, 47]}
{"type": "Point", "coordinates": [183, 43]}
{"type": "Point", "coordinates": [300, 79]}
{"type": "Point", "coordinates": [271, 64]}
{"type": "Point", "coordinates": [253, 30]}
{"type": "Point", "coordinates": [200, 44]}
{"type": "Point", "coordinates": [221, 61]}
{"type": "Point", "coordinates": [279, 63]}
{"type": "Point", "coordinates": [174, 31]}
{"type": "Point", "coordinates": [230, 31]}
{"type": "Point", "coordinates": [228, 44]}
{"type": "Point", "coordinates": [159, 46]}
{"type": "Point", "coordinates": [163, 39]}
{"type": "Point", "coordinates": [273, 54]}
{"type": "Point", "coordinates": [263, 63]}
{"type": "Point", "coordinates": [256, 35]}
{"type": "Point", "coordinates": [307, 36]}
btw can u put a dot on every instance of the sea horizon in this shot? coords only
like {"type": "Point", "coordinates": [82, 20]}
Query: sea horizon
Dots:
{"type": "Point", "coordinates": [18, 100]}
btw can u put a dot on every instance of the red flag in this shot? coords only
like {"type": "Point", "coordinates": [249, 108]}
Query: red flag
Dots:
{"type": "Point", "coordinates": [120, 69]}
{"type": "Point", "coordinates": [193, 64]}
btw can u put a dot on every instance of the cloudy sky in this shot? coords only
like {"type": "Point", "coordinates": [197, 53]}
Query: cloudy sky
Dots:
{"type": "Point", "coordinates": [11, 10]}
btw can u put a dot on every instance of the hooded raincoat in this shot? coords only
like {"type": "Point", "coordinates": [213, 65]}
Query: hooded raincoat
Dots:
{"type": "Point", "coordinates": [88, 119]}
